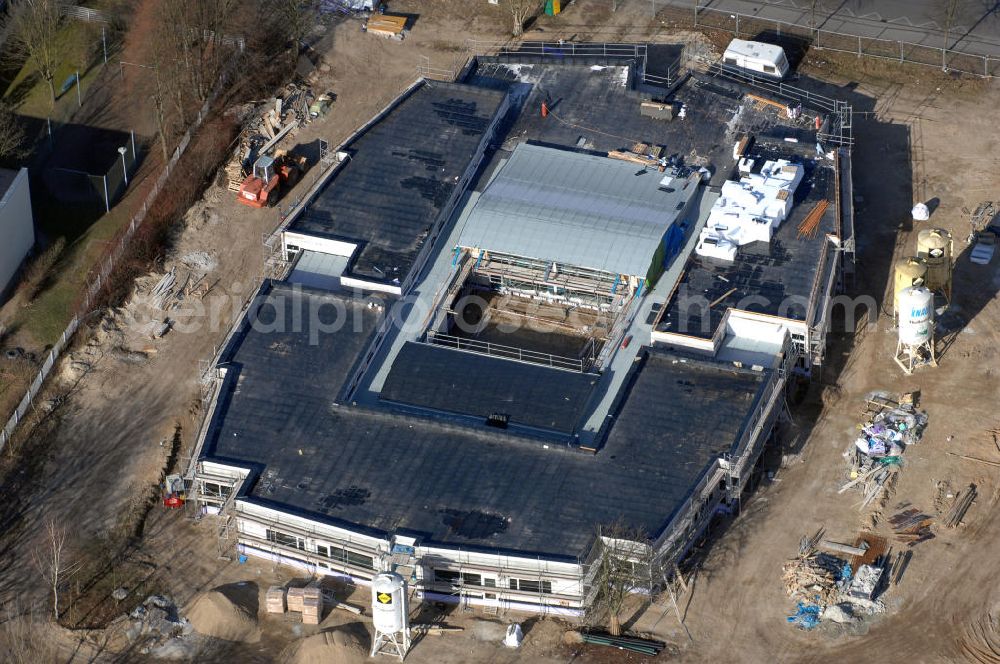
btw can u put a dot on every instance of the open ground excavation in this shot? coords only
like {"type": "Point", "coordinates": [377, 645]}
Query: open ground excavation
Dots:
{"type": "Point", "coordinates": [130, 408]}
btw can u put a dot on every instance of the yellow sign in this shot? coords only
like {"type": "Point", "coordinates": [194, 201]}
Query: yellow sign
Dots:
{"type": "Point", "coordinates": [384, 598]}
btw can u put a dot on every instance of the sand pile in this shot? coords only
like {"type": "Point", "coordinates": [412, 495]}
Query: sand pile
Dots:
{"type": "Point", "coordinates": [341, 645]}
{"type": "Point", "coordinates": [228, 612]}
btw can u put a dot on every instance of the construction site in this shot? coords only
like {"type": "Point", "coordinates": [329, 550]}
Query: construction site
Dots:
{"type": "Point", "coordinates": [578, 304]}
{"type": "Point", "coordinates": [493, 319]}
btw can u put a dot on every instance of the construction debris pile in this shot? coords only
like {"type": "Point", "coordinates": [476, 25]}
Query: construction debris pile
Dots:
{"type": "Point", "coordinates": [832, 588]}
{"type": "Point", "coordinates": [814, 577]}
{"type": "Point", "coordinates": [963, 502]}
{"type": "Point", "coordinates": [155, 626]}
{"type": "Point", "coordinates": [266, 124]}
{"type": "Point", "coordinates": [911, 527]}
{"type": "Point", "coordinates": [876, 454]}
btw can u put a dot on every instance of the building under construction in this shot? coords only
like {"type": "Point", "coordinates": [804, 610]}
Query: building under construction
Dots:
{"type": "Point", "coordinates": [498, 331]}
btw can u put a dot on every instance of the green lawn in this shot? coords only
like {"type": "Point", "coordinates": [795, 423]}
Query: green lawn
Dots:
{"type": "Point", "coordinates": [81, 44]}
{"type": "Point", "coordinates": [86, 229]}
{"type": "Point", "coordinates": [48, 314]}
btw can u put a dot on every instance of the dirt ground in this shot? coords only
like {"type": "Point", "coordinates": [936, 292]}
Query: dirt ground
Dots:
{"type": "Point", "coordinates": [946, 597]}
{"type": "Point", "coordinates": [111, 438]}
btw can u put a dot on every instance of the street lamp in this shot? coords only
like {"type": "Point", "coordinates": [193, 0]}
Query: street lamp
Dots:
{"type": "Point", "coordinates": [122, 151]}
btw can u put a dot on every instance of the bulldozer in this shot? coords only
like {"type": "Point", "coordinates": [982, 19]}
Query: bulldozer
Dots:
{"type": "Point", "coordinates": [270, 177]}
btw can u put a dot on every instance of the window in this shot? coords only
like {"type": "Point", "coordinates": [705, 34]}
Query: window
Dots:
{"type": "Point", "coordinates": [446, 576]}
{"type": "Point", "coordinates": [343, 555]}
{"type": "Point", "coordinates": [359, 560]}
{"type": "Point", "coordinates": [769, 69]}
{"type": "Point", "coordinates": [291, 541]}
{"type": "Point", "coordinates": [730, 61]}
{"type": "Point", "coordinates": [529, 586]}
{"type": "Point", "coordinates": [490, 583]}
{"type": "Point", "coordinates": [215, 489]}
{"type": "Point", "coordinates": [472, 579]}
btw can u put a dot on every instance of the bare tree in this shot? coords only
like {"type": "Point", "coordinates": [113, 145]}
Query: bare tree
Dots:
{"type": "Point", "coordinates": [12, 137]}
{"type": "Point", "coordinates": [622, 565]}
{"type": "Point", "coordinates": [194, 36]}
{"type": "Point", "coordinates": [21, 642]}
{"type": "Point", "coordinates": [521, 11]}
{"type": "Point", "coordinates": [34, 28]}
{"type": "Point", "coordinates": [295, 18]}
{"type": "Point", "coordinates": [54, 562]}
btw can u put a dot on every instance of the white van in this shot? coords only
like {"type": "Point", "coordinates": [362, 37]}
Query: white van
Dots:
{"type": "Point", "coordinates": [756, 58]}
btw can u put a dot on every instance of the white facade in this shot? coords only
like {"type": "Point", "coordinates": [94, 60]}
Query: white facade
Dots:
{"type": "Point", "coordinates": [17, 226]}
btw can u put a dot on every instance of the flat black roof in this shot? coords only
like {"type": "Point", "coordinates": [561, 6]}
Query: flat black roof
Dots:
{"type": "Point", "coordinates": [774, 278]}
{"type": "Point", "coordinates": [401, 173]}
{"type": "Point", "coordinates": [592, 109]}
{"type": "Point", "coordinates": [421, 460]}
{"type": "Point", "coordinates": [381, 470]}
{"type": "Point", "coordinates": [273, 387]}
{"type": "Point", "coordinates": [477, 385]}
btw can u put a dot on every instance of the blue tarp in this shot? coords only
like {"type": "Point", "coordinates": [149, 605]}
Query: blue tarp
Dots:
{"type": "Point", "coordinates": [806, 616]}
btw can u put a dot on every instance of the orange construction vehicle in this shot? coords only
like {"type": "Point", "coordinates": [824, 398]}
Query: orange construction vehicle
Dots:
{"type": "Point", "coordinates": [270, 176]}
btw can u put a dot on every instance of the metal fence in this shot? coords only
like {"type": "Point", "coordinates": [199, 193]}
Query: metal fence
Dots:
{"type": "Point", "coordinates": [518, 51]}
{"type": "Point", "coordinates": [747, 26]}
{"type": "Point", "coordinates": [103, 271]}
{"type": "Point", "coordinates": [509, 352]}
{"type": "Point", "coordinates": [87, 14]}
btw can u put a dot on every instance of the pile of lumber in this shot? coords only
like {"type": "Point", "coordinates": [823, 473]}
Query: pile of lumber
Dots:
{"type": "Point", "coordinates": [810, 225]}
{"type": "Point", "coordinates": [912, 527]}
{"type": "Point", "coordinates": [385, 25]}
{"type": "Point", "coordinates": [763, 102]}
{"type": "Point", "coordinates": [268, 123]}
{"type": "Point", "coordinates": [899, 566]}
{"type": "Point", "coordinates": [633, 157]}
{"type": "Point", "coordinates": [274, 599]}
{"type": "Point", "coordinates": [295, 597]}
{"type": "Point", "coordinates": [312, 605]}
{"type": "Point", "coordinates": [168, 293]}
{"type": "Point", "coordinates": [813, 577]}
{"type": "Point", "coordinates": [962, 503]}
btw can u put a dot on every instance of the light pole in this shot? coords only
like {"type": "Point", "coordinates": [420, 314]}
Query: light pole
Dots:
{"type": "Point", "coordinates": [122, 151]}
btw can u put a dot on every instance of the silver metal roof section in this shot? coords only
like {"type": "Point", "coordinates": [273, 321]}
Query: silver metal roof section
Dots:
{"type": "Point", "coordinates": [576, 209]}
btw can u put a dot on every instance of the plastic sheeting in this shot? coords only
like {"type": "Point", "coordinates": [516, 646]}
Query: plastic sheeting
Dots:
{"type": "Point", "coordinates": [749, 210]}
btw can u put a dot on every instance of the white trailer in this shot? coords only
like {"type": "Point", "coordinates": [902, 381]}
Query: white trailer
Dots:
{"type": "Point", "coordinates": [756, 58]}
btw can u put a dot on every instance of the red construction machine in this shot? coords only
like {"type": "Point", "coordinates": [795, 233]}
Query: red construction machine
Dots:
{"type": "Point", "coordinates": [271, 176]}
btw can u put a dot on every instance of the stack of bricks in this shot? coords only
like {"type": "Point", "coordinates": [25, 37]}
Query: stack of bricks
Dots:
{"type": "Point", "coordinates": [312, 606]}
{"type": "Point", "coordinates": [295, 596]}
{"type": "Point", "coordinates": [275, 599]}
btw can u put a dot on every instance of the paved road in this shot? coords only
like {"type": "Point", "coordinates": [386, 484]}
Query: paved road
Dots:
{"type": "Point", "coordinates": [975, 27]}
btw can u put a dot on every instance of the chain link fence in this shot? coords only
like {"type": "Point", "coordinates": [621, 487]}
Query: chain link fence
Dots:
{"type": "Point", "coordinates": [101, 273]}
{"type": "Point", "coordinates": [747, 27]}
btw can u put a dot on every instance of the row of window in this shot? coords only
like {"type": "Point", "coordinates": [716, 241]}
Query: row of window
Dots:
{"type": "Point", "coordinates": [440, 575]}
{"type": "Point", "coordinates": [323, 550]}
{"type": "Point", "coordinates": [472, 579]}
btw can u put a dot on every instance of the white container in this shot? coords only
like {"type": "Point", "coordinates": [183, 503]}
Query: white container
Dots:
{"type": "Point", "coordinates": [916, 315]}
{"type": "Point", "coordinates": [389, 610]}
